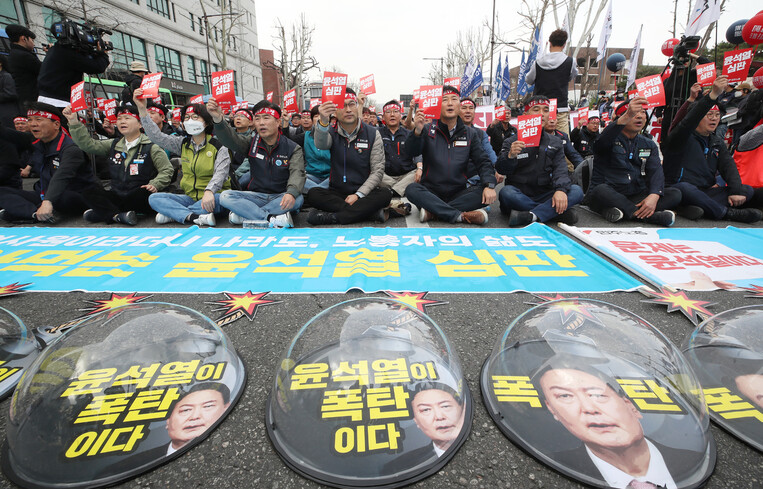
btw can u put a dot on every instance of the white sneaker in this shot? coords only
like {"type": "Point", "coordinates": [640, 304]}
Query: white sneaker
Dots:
{"type": "Point", "coordinates": [162, 219]}
{"type": "Point", "coordinates": [235, 219]}
{"type": "Point", "coordinates": [205, 220]}
{"type": "Point", "coordinates": [282, 221]}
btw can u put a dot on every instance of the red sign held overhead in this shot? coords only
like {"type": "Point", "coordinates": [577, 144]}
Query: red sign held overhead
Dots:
{"type": "Point", "coordinates": [110, 109]}
{"type": "Point", "coordinates": [198, 99]}
{"type": "Point", "coordinates": [453, 82]}
{"type": "Point", "coordinates": [430, 100]}
{"type": "Point", "coordinates": [150, 85]}
{"type": "Point", "coordinates": [334, 85]}
{"type": "Point", "coordinates": [99, 103]}
{"type": "Point", "coordinates": [583, 114]}
{"type": "Point", "coordinates": [651, 88]}
{"type": "Point", "coordinates": [552, 105]}
{"type": "Point", "coordinates": [269, 97]}
{"type": "Point", "coordinates": [290, 101]}
{"type": "Point", "coordinates": [500, 113]}
{"type": "Point", "coordinates": [368, 85]}
{"type": "Point", "coordinates": [736, 64]}
{"type": "Point", "coordinates": [223, 88]}
{"type": "Point", "coordinates": [78, 97]}
{"type": "Point", "coordinates": [416, 95]}
{"type": "Point", "coordinates": [706, 74]}
{"type": "Point", "coordinates": [529, 127]}
{"type": "Point", "coordinates": [314, 102]}
{"type": "Point", "coordinates": [176, 113]}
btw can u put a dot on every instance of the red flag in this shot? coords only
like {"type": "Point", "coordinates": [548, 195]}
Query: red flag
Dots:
{"type": "Point", "coordinates": [198, 99]}
{"type": "Point", "coordinates": [430, 100]}
{"type": "Point", "coordinates": [334, 85]}
{"type": "Point", "coordinates": [269, 97]}
{"type": "Point", "coordinates": [290, 101]}
{"type": "Point", "coordinates": [552, 104]}
{"type": "Point", "coordinates": [110, 109]}
{"type": "Point", "coordinates": [736, 64]}
{"type": "Point", "coordinates": [150, 85]}
{"type": "Point", "coordinates": [583, 114]}
{"type": "Point", "coordinates": [706, 74]}
{"type": "Point", "coordinates": [651, 88]}
{"type": "Point", "coordinates": [78, 97]}
{"type": "Point", "coordinates": [529, 127]}
{"type": "Point", "coordinates": [223, 88]}
{"type": "Point", "coordinates": [368, 85]}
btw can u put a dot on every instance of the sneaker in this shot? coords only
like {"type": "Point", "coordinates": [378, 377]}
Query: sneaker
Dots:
{"type": "Point", "coordinates": [692, 212]}
{"type": "Point", "coordinates": [2, 214]}
{"type": "Point", "coordinates": [89, 216]}
{"type": "Point", "coordinates": [474, 217]}
{"type": "Point", "coordinates": [569, 217]}
{"type": "Point", "coordinates": [612, 214]}
{"type": "Point", "coordinates": [425, 215]}
{"type": "Point", "coordinates": [318, 218]}
{"type": "Point", "coordinates": [520, 218]}
{"type": "Point", "coordinates": [662, 218]}
{"type": "Point", "coordinates": [163, 219]}
{"type": "Point", "coordinates": [128, 218]}
{"type": "Point", "coordinates": [743, 215]}
{"type": "Point", "coordinates": [235, 219]}
{"type": "Point", "coordinates": [281, 221]}
{"type": "Point", "coordinates": [205, 220]}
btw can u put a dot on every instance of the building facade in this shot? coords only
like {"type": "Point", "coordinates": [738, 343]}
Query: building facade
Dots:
{"type": "Point", "coordinates": [167, 35]}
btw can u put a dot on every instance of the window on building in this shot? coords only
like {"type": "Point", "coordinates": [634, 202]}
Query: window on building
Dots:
{"type": "Point", "coordinates": [193, 24]}
{"type": "Point", "coordinates": [191, 69]}
{"type": "Point", "coordinates": [204, 73]}
{"type": "Point", "coordinates": [168, 62]}
{"type": "Point", "coordinates": [161, 7]}
{"type": "Point", "coordinates": [8, 13]}
{"type": "Point", "coordinates": [127, 49]}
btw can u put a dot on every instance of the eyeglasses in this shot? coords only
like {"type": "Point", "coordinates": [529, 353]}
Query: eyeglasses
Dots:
{"type": "Point", "coordinates": [350, 105]}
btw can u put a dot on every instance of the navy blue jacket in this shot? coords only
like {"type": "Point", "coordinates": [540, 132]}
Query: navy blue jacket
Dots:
{"type": "Point", "coordinates": [62, 166]}
{"type": "Point", "coordinates": [397, 162]}
{"type": "Point", "coordinates": [269, 168]}
{"type": "Point", "coordinates": [535, 170]}
{"type": "Point", "coordinates": [569, 150]}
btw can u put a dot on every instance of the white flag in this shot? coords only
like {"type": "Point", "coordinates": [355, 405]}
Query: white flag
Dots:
{"type": "Point", "coordinates": [705, 12]}
{"type": "Point", "coordinates": [566, 24]}
{"type": "Point", "coordinates": [606, 31]}
{"type": "Point", "coordinates": [633, 67]}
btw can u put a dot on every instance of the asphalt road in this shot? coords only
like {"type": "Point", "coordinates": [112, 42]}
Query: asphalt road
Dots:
{"type": "Point", "coordinates": [239, 455]}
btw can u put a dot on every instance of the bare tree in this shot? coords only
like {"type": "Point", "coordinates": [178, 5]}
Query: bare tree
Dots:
{"type": "Point", "coordinates": [457, 55]}
{"type": "Point", "coordinates": [96, 14]}
{"type": "Point", "coordinates": [292, 54]}
{"type": "Point", "coordinates": [228, 19]}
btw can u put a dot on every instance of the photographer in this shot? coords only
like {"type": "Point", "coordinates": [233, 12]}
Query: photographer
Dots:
{"type": "Point", "coordinates": [23, 63]}
{"type": "Point", "coordinates": [65, 64]}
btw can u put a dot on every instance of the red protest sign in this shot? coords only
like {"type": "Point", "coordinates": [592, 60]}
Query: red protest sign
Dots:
{"type": "Point", "coordinates": [416, 95]}
{"type": "Point", "coordinates": [334, 85]}
{"type": "Point", "coordinates": [500, 113]}
{"type": "Point", "coordinates": [78, 97]}
{"type": "Point", "coordinates": [150, 85]}
{"type": "Point", "coordinates": [736, 64]}
{"type": "Point", "coordinates": [529, 127]}
{"type": "Point", "coordinates": [454, 82]}
{"type": "Point", "coordinates": [99, 102]}
{"type": "Point", "coordinates": [314, 102]}
{"type": "Point", "coordinates": [176, 113]}
{"type": "Point", "coordinates": [605, 116]}
{"type": "Point", "coordinates": [430, 100]}
{"type": "Point", "coordinates": [110, 109]}
{"type": "Point", "coordinates": [223, 87]}
{"type": "Point", "coordinates": [706, 74]}
{"type": "Point", "coordinates": [269, 97]}
{"type": "Point", "coordinates": [552, 104]}
{"type": "Point", "coordinates": [583, 114]}
{"type": "Point", "coordinates": [368, 85]}
{"type": "Point", "coordinates": [198, 99]}
{"type": "Point", "coordinates": [290, 101]}
{"type": "Point", "coordinates": [651, 88]}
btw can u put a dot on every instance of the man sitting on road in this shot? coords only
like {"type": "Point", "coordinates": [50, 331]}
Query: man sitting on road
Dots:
{"type": "Point", "coordinates": [399, 168]}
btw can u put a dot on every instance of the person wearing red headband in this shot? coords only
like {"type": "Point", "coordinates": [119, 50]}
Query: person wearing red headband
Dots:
{"type": "Point", "coordinates": [276, 168]}
{"type": "Point", "coordinates": [627, 180]}
{"type": "Point", "coordinates": [573, 157]}
{"type": "Point", "coordinates": [538, 186]}
{"type": "Point", "coordinates": [585, 135]}
{"type": "Point", "coordinates": [467, 113]}
{"type": "Point", "coordinates": [357, 168]}
{"type": "Point", "coordinates": [399, 168]}
{"type": "Point", "coordinates": [65, 173]}
{"type": "Point", "coordinates": [447, 147]}
{"type": "Point", "coordinates": [694, 154]}
{"type": "Point", "coordinates": [137, 168]}
{"type": "Point", "coordinates": [498, 131]}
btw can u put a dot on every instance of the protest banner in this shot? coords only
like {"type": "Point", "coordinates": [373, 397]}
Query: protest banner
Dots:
{"type": "Point", "coordinates": [736, 64]}
{"type": "Point", "coordinates": [431, 100]}
{"type": "Point", "coordinates": [223, 88]}
{"type": "Point", "coordinates": [334, 85]}
{"type": "Point", "coordinates": [150, 85]}
{"type": "Point", "coordinates": [368, 85]}
{"type": "Point", "coordinates": [529, 127]}
{"type": "Point", "coordinates": [77, 99]}
{"type": "Point", "coordinates": [651, 88]}
{"type": "Point", "coordinates": [706, 74]}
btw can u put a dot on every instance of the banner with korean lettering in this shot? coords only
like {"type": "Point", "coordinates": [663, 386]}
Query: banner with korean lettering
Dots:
{"type": "Point", "coordinates": [552, 109]}
{"type": "Point", "coordinates": [417, 95]}
{"type": "Point", "coordinates": [290, 101]}
{"type": "Point", "coordinates": [500, 113]}
{"type": "Point", "coordinates": [197, 99]}
{"type": "Point", "coordinates": [77, 98]}
{"type": "Point", "coordinates": [651, 88]}
{"type": "Point", "coordinates": [223, 87]}
{"type": "Point", "coordinates": [269, 96]}
{"type": "Point", "coordinates": [334, 85]}
{"type": "Point", "coordinates": [430, 100]}
{"type": "Point", "coordinates": [583, 115]}
{"type": "Point", "coordinates": [150, 85]}
{"type": "Point", "coordinates": [191, 260]}
{"type": "Point", "coordinates": [124, 408]}
{"type": "Point", "coordinates": [706, 74]}
{"type": "Point", "coordinates": [689, 259]}
{"type": "Point", "coordinates": [529, 129]}
{"type": "Point", "coordinates": [368, 85]}
{"type": "Point", "coordinates": [110, 110]}
{"type": "Point", "coordinates": [736, 64]}
{"type": "Point", "coordinates": [454, 82]}
{"type": "Point", "coordinates": [314, 102]}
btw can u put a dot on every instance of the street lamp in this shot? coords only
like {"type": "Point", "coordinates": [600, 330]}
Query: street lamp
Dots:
{"type": "Point", "coordinates": [206, 38]}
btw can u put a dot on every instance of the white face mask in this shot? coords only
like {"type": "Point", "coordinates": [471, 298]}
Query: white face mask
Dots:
{"type": "Point", "coordinates": [193, 127]}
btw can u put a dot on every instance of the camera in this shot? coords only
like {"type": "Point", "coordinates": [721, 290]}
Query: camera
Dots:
{"type": "Point", "coordinates": [82, 37]}
{"type": "Point", "coordinates": [682, 49]}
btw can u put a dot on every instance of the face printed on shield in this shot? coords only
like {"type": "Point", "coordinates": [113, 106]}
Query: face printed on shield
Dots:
{"type": "Point", "coordinates": [193, 415]}
{"type": "Point", "coordinates": [438, 415]}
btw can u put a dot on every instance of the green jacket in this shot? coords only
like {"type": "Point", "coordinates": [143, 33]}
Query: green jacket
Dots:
{"type": "Point", "coordinates": [199, 167]}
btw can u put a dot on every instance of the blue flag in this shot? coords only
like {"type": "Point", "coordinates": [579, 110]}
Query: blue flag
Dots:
{"type": "Point", "coordinates": [521, 85]}
{"type": "Point", "coordinates": [506, 88]}
{"type": "Point", "coordinates": [497, 82]}
{"type": "Point", "coordinates": [474, 84]}
{"type": "Point", "coordinates": [469, 72]}
{"type": "Point", "coordinates": [532, 56]}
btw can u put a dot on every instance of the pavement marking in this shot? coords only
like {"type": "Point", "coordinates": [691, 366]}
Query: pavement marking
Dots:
{"type": "Point", "coordinates": [412, 219]}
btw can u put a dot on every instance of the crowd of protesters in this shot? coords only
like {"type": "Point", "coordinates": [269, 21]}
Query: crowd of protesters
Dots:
{"type": "Point", "coordinates": [259, 165]}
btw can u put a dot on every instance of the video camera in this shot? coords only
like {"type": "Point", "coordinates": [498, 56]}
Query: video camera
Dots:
{"type": "Point", "coordinates": [82, 37]}
{"type": "Point", "coordinates": [682, 49]}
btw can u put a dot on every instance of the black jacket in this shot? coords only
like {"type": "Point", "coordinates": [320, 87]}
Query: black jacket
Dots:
{"type": "Point", "coordinates": [397, 162]}
{"type": "Point", "coordinates": [62, 166]}
{"type": "Point", "coordinates": [9, 99]}
{"type": "Point", "coordinates": [64, 67]}
{"type": "Point", "coordinates": [497, 134]}
{"type": "Point", "coordinates": [13, 144]}
{"type": "Point", "coordinates": [691, 158]}
{"type": "Point", "coordinates": [535, 170]}
{"type": "Point", "coordinates": [569, 150]}
{"type": "Point", "coordinates": [446, 158]}
{"type": "Point", "coordinates": [132, 81]}
{"type": "Point", "coordinates": [583, 140]}
{"type": "Point", "coordinates": [24, 65]}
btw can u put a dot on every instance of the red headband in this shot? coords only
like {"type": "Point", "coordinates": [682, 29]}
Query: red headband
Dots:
{"type": "Point", "coordinates": [467, 102]}
{"type": "Point", "coordinates": [621, 109]}
{"type": "Point", "coordinates": [42, 113]}
{"type": "Point", "coordinates": [269, 111]}
{"type": "Point", "coordinates": [448, 90]}
{"type": "Point", "coordinates": [156, 109]}
{"type": "Point", "coordinates": [19, 119]}
{"type": "Point", "coordinates": [533, 103]}
{"type": "Point", "coordinates": [243, 112]}
{"type": "Point", "coordinates": [350, 96]}
{"type": "Point", "coordinates": [390, 107]}
{"type": "Point", "coordinates": [127, 112]}
{"type": "Point", "coordinates": [715, 107]}
{"type": "Point", "coordinates": [190, 110]}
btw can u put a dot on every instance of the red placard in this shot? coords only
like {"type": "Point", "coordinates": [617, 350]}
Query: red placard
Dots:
{"type": "Point", "coordinates": [368, 85]}
{"type": "Point", "coordinates": [430, 100]}
{"type": "Point", "coordinates": [223, 89]}
{"type": "Point", "coordinates": [651, 88]}
{"type": "Point", "coordinates": [500, 113]}
{"type": "Point", "coordinates": [78, 97]}
{"type": "Point", "coordinates": [290, 101]}
{"type": "Point", "coordinates": [416, 95]}
{"type": "Point", "coordinates": [334, 85]}
{"type": "Point", "coordinates": [552, 104]}
{"type": "Point", "coordinates": [583, 114]}
{"type": "Point", "coordinates": [706, 74]}
{"type": "Point", "coordinates": [315, 102]}
{"type": "Point", "coordinates": [110, 109]}
{"type": "Point", "coordinates": [736, 64]}
{"type": "Point", "coordinates": [176, 113]}
{"type": "Point", "coordinates": [150, 85]}
{"type": "Point", "coordinates": [529, 127]}
{"type": "Point", "coordinates": [198, 99]}
{"type": "Point", "coordinates": [605, 116]}
{"type": "Point", "coordinates": [453, 82]}
{"type": "Point", "coordinates": [269, 97]}
{"type": "Point", "coordinates": [99, 102]}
